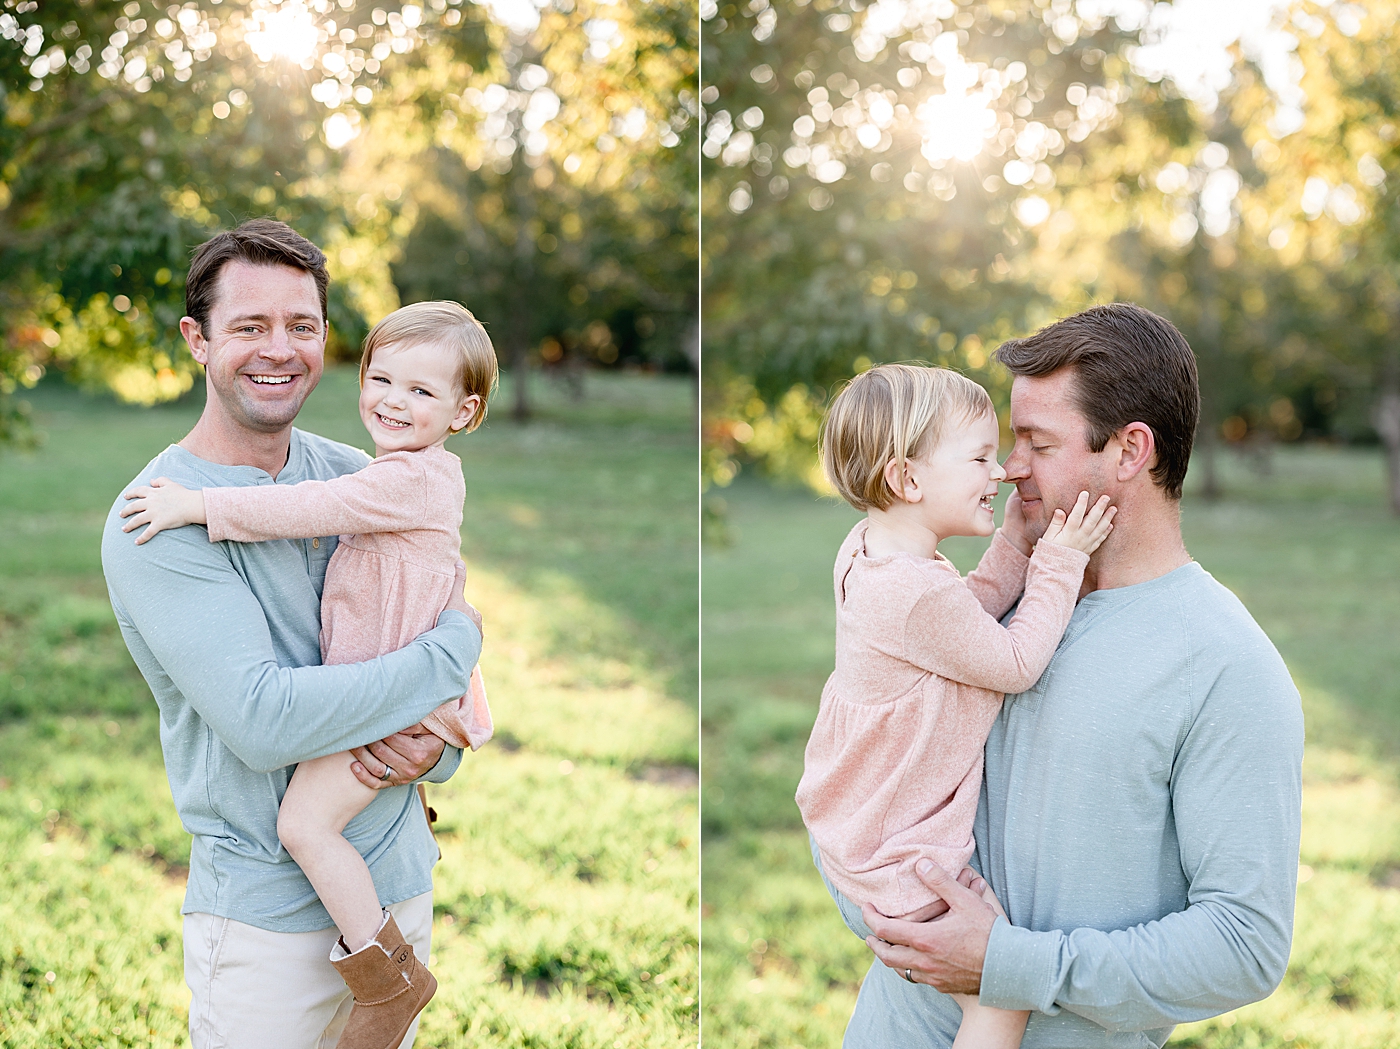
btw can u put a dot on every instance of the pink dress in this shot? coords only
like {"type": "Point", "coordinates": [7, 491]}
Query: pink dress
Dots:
{"type": "Point", "coordinates": [894, 764]}
{"type": "Point", "coordinates": [392, 574]}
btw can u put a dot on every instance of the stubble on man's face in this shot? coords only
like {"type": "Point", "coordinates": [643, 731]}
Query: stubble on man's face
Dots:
{"type": "Point", "coordinates": [1051, 462]}
{"type": "Point", "coordinates": [265, 344]}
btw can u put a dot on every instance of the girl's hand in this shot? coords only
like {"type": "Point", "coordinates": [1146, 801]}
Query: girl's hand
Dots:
{"type": "Point", "coordinates": [1013, 524]}
{"type": "Point", "coordinates": [1085, 527]}
{"type": "Point", "coordinates": [160, 505]}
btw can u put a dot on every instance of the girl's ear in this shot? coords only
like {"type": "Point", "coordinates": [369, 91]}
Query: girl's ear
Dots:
{"type": "Point", "coordinates": [466, 413]}
{"type": "Point", "coordinates": [902, 483]}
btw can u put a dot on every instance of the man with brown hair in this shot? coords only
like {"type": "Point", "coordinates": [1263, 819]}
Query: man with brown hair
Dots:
{"type": "Point", "coordinates": [1140, 809]}
{"type": "Point", "coordinates": [227, 636]}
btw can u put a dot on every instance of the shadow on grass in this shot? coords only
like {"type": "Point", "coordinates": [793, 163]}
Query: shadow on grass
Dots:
{"type": "Point", "coordinates": [1313, 554]}
{"type": "Point", "coordinates": [569, 849]}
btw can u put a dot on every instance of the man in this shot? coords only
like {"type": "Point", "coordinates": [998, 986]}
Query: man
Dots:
{"type": "Point", "coordinates": [226, 634]}
{"type": "Point", "coordinates": [1140, 809]}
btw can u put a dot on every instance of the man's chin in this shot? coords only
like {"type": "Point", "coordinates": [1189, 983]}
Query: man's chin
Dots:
{"type": "Point", "coordinates": [270, 418]}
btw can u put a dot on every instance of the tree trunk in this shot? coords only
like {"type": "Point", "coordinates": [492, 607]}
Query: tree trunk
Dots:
{"type": "Point", "coordinates": [1388, 426]}
{"type": "Point", "coordinates": [1209, 444]}
{"type": "Point", "coordinates": [524, 270]}
{"type": "Point", "coordinates": [1208, 357]}
{"type": "Point", "coordinates": [520, 370]}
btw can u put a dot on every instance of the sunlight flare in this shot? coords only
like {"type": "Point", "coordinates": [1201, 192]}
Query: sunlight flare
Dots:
{"type": "Point", "coordinates": [287, 30]}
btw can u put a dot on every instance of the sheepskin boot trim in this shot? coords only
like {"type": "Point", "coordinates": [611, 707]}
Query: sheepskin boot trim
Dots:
{"type": "Point", "coordinates": [390, 987]}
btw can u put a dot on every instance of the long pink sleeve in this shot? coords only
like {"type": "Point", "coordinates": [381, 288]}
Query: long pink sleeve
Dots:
{"type": "Point", "coordinates": [399, 521]}
{"type": "Point", "coordinates": [388, 495]}
{"type": "Point", "coordinates": [999, 577]}
{"type": "Point", "coordinates": [894, 763]}
{"type": "Point", "coordinates": [951, 634]}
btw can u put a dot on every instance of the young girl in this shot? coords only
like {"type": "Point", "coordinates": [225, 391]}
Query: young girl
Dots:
{"type": "Point", "coordinates": [894, 763]}
{"type": "Point", "coordinates": [426, 373]}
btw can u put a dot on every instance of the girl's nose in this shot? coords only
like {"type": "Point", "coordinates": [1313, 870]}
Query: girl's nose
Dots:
{"type": "Point", "coordinates": [998, 472]}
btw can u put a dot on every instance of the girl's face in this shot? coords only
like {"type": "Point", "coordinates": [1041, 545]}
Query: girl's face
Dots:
{"type": "Point", "coordinates": [410, 399]}
{"type": "Point", "coordinates": [957, 480]}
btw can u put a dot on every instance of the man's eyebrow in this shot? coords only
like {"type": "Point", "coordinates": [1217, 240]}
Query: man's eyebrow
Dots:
{"type": "Point", "coordinates": [246, 317]}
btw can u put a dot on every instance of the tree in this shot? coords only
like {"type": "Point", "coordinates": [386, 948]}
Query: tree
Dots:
{"type": "Point", "coordinates": [1337, 183]}
{"type": "Point", "coordinates": [132, 132]}
{"type": "Point", "coordinates": [879, 186]}
{"type": "Point", "coordinates": [553, 187]}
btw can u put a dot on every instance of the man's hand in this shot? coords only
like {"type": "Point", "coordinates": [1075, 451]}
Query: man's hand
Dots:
{"type": "Point", "coordinates": [406, 755]}
{"type": "Point", "coordinates": [946, 953]}
{"type": "Point", "coordinates": [457, 601]}
{"type": "Point", "coordinates": [1013, 524]}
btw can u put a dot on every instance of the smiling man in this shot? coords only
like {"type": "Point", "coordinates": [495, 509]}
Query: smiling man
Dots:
{"type": "Point", "coordinates": [227, 636]}
{"type": "Point", "coordinates": [1140, 808]}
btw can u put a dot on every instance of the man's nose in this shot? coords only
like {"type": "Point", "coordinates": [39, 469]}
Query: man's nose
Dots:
{"type": "Point", "coordinates": [277, 346]}
{"type": "Point", "coordinates": [1017, 466]}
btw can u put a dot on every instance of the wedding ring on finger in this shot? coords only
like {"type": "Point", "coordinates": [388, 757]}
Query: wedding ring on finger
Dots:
{"type": "Point", "coordinates": [388, 771]}
{"type": "Point", "coordinates": [909, 975]}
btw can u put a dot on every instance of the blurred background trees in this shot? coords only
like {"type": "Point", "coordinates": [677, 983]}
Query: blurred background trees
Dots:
{"type": "Point", "coordinates": [922, 179]}
{"type": "Point", "coordinates": [533, 159]}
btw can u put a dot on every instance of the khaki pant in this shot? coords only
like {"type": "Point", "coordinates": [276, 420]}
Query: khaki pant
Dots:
{"type": "Point", "coordinates": [254, 989]}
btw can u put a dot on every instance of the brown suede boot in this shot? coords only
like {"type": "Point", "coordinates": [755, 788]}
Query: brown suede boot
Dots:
{"type": "Point", "coordinates": [390, 987]}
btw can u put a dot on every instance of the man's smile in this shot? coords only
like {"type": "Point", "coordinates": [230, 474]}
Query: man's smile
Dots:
{"type": "Point", "coordinates": [271, 380]}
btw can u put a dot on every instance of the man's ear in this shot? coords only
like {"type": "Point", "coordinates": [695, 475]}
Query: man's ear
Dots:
{"type": "Point", "coordinates": [901, 482]}
{"type": "Point", "coordinates": [1137, 450]}
{"type": "Point", "coordinates": [194, 339]}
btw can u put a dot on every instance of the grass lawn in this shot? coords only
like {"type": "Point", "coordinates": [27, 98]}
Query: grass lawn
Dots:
{"type": "Point", "coordinates": [566, 901]}
{"type": "Point", "coordinates": [1311, 551]}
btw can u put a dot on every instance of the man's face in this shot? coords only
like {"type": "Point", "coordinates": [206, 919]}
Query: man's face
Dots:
{"type": "Point", "coordinates": [263, 348]}
{"type": "Point", "coordinates": [1051, 463]}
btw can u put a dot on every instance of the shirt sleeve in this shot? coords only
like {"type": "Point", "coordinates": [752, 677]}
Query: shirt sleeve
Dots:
{"type": "Point", "coordinates": [1237, 799]}
{"type": "Point", "coordinates": [446, 766]}
{"type": "Point", "coordinates": [210, 637]}
{"type": "Point", "coordinates": [389, 495]}
{"type": "Point", "coordinates": [949, 633]}
{"type": "Point", "coordinates": [999, 577]}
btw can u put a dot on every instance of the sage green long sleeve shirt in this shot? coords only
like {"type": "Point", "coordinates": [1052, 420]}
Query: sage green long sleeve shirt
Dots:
{"type": "Point", "coordinates": [227, 636]}
{"type": "Point", "coordinates": [1139, 821]}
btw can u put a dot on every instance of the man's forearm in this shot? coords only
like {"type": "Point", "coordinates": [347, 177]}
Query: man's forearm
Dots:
{"type": "Point", "coordinates": [1190, 965]}
{"type": "Point", "coordinates": [206, 632]}
{"type": "Point", "coordinates": [307, 712]}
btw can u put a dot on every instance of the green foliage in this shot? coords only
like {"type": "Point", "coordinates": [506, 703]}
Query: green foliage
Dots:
{"type": "Point", "coordinates": [585, 237]}
{"type": "Point", "coordinates": [854, 215]}
{"type": "Point", "coordinates": [1304, 544]}
{"type": "Point", "coordinates": [839, 224]}
{"type": "Point", "coordinates": [565, 905]}
{"type": "Point", "coordinates": [130, 133]}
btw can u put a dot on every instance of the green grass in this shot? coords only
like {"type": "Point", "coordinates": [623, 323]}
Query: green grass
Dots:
{"type": "Point", "coordinates": [565, 904]}
{"type": "Point", "coordinates": [1311, 551]}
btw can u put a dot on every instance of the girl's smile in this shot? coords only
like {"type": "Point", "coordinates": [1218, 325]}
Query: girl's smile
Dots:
{"type": "Point", "coordinates": [411, 398]}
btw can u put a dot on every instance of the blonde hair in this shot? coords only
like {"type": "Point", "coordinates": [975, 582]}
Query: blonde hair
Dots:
{"type": "Point", "coordinates": [891, 413]}
{"type": "Point", "coordinates": [451, 326]}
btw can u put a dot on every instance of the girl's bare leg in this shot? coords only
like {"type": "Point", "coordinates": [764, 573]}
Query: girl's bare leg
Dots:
{"type": "Point", "coordinates": [986, 1028]}
{"type": "Point", "coordinates": [322, 798]}
{"type": "Point", "coordinates": [983, 1027]}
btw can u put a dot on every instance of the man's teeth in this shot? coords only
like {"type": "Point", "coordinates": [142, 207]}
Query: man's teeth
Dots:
{"type": "Point", "coordinates": [270, 380]}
